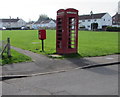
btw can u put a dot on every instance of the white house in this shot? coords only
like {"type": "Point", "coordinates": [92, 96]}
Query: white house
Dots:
{"type": "Point", "coordinates": [116, 20]}
{"type": "Point", "coordinates": [101, 19]}
{"type": "Point", "coordinates": [116, 17]}
{"type": "Point", "coordinates": [12, 23]}
{"type": "Point", "coordinates": [119, 7]}
{"type": "Point", "coordinates": [44, 23]}
{"type": "Point", "coordinates": [30, 24]}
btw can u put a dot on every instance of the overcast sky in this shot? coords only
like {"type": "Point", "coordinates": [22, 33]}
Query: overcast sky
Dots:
{"type": "Point", "coordinates": [31, 9]}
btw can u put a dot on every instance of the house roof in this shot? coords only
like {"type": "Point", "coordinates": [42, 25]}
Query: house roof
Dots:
{"type": "Point", "coordinates": [9, 20]}
{"type": "Point", "coordinates": [93, 16]}
{"type": "Point", "coordinates": [116, 15]}
{"type": "Point", "coordinates": [31, 22]}
{"type": "Point", "coordinates": [42, 22]}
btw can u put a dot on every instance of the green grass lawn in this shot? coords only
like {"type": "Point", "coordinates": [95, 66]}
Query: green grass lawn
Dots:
{"type": "Point", "coordinates": [16, 57]}
{"type": "Point", "coordinates": [90, 43]}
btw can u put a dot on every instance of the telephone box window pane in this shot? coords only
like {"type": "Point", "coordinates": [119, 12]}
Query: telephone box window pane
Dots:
{"type": "Point", "coordinates": [73, 31]}
{"type": "Point", "coordinates": [73, 46]}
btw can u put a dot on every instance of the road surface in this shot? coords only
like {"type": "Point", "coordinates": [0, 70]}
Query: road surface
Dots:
{"type": "Point", "coordinates": [92, 81]}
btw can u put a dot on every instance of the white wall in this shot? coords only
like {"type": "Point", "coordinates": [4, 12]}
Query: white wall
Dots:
{"type": "Point", "coordinates": [106, 20]}
{"type": "Point", "coordinates": [6, 24]}
{"type": "Point", "coordinates": [85, 23]}
{"type": "Point", "coordinates": [115, 25]}
{"type": "Point", "coordinates": [88, 23]}
{"type": "Point", "coordinates": [51, 24]}
{"type": "Point", "coordinates": [20, 23]}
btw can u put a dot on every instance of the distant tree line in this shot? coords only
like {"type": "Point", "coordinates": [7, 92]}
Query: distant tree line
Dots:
{"type": "Point", "coordinates": [43, 17]}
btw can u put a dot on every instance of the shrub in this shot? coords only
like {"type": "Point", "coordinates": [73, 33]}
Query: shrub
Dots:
{"type": "Point", "coordinates": [113, 29]}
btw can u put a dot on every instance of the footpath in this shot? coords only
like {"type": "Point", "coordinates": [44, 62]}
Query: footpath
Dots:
{"type": "Point", "coordinates": [43, 65]}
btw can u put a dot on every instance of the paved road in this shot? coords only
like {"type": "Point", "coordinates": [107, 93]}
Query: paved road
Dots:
{"type": "Point", "coordinates": [0, 88]}
{"type": "Point", "coordinates": [93, 81]}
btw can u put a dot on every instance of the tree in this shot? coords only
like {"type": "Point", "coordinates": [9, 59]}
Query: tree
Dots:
{"type": "Point", "coordinates": [43, 17]}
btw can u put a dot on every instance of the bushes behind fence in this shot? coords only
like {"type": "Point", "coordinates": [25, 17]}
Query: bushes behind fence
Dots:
{"type": "Point", "coordinates": [117, 29]}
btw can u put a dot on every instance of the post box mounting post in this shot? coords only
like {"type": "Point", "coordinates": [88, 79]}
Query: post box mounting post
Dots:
{"type": "Point", "coordinates": [42, 45]}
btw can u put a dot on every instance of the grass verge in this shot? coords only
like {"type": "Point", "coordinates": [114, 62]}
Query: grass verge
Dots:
{"type": "Point", "coordinates": [16, 58]}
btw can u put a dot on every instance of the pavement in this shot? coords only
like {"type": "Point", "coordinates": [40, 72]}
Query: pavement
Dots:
{"type": "Point", "coordinates": [43, 65]}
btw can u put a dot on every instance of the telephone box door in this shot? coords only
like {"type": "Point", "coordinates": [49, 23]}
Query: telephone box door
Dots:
{"type": "Point", "coordinates": [72, 33]}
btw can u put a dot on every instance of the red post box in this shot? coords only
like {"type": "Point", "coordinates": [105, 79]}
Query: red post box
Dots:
{"type": "Point", "coordinates": [67, 31]}
{"type": "Point", "coordinates": [42, 34]}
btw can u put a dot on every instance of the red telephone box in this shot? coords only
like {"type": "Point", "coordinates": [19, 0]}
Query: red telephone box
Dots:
{"type": "Point", "coordinates": [67, 31]}
{"type": "Point", "coordinates": [42, 34]}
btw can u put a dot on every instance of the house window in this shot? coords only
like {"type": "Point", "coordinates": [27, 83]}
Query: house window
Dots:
{"type": "Point", "coordinates": [83, 20]}
{"type": "Point", "coordinates": [88, 20]}
{"type": "Point", "coordinates": [104, 19]}
{"type": "Point", "coordinates": [88, 26]}
{"type": "Point", "coordinates": [80, 22]}
{"type": "Point", "coordinates": [95, 20]}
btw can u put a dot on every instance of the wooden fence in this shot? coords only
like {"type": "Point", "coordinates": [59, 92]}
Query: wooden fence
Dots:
{"type": "Point", "coordinates": [6, 47]}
